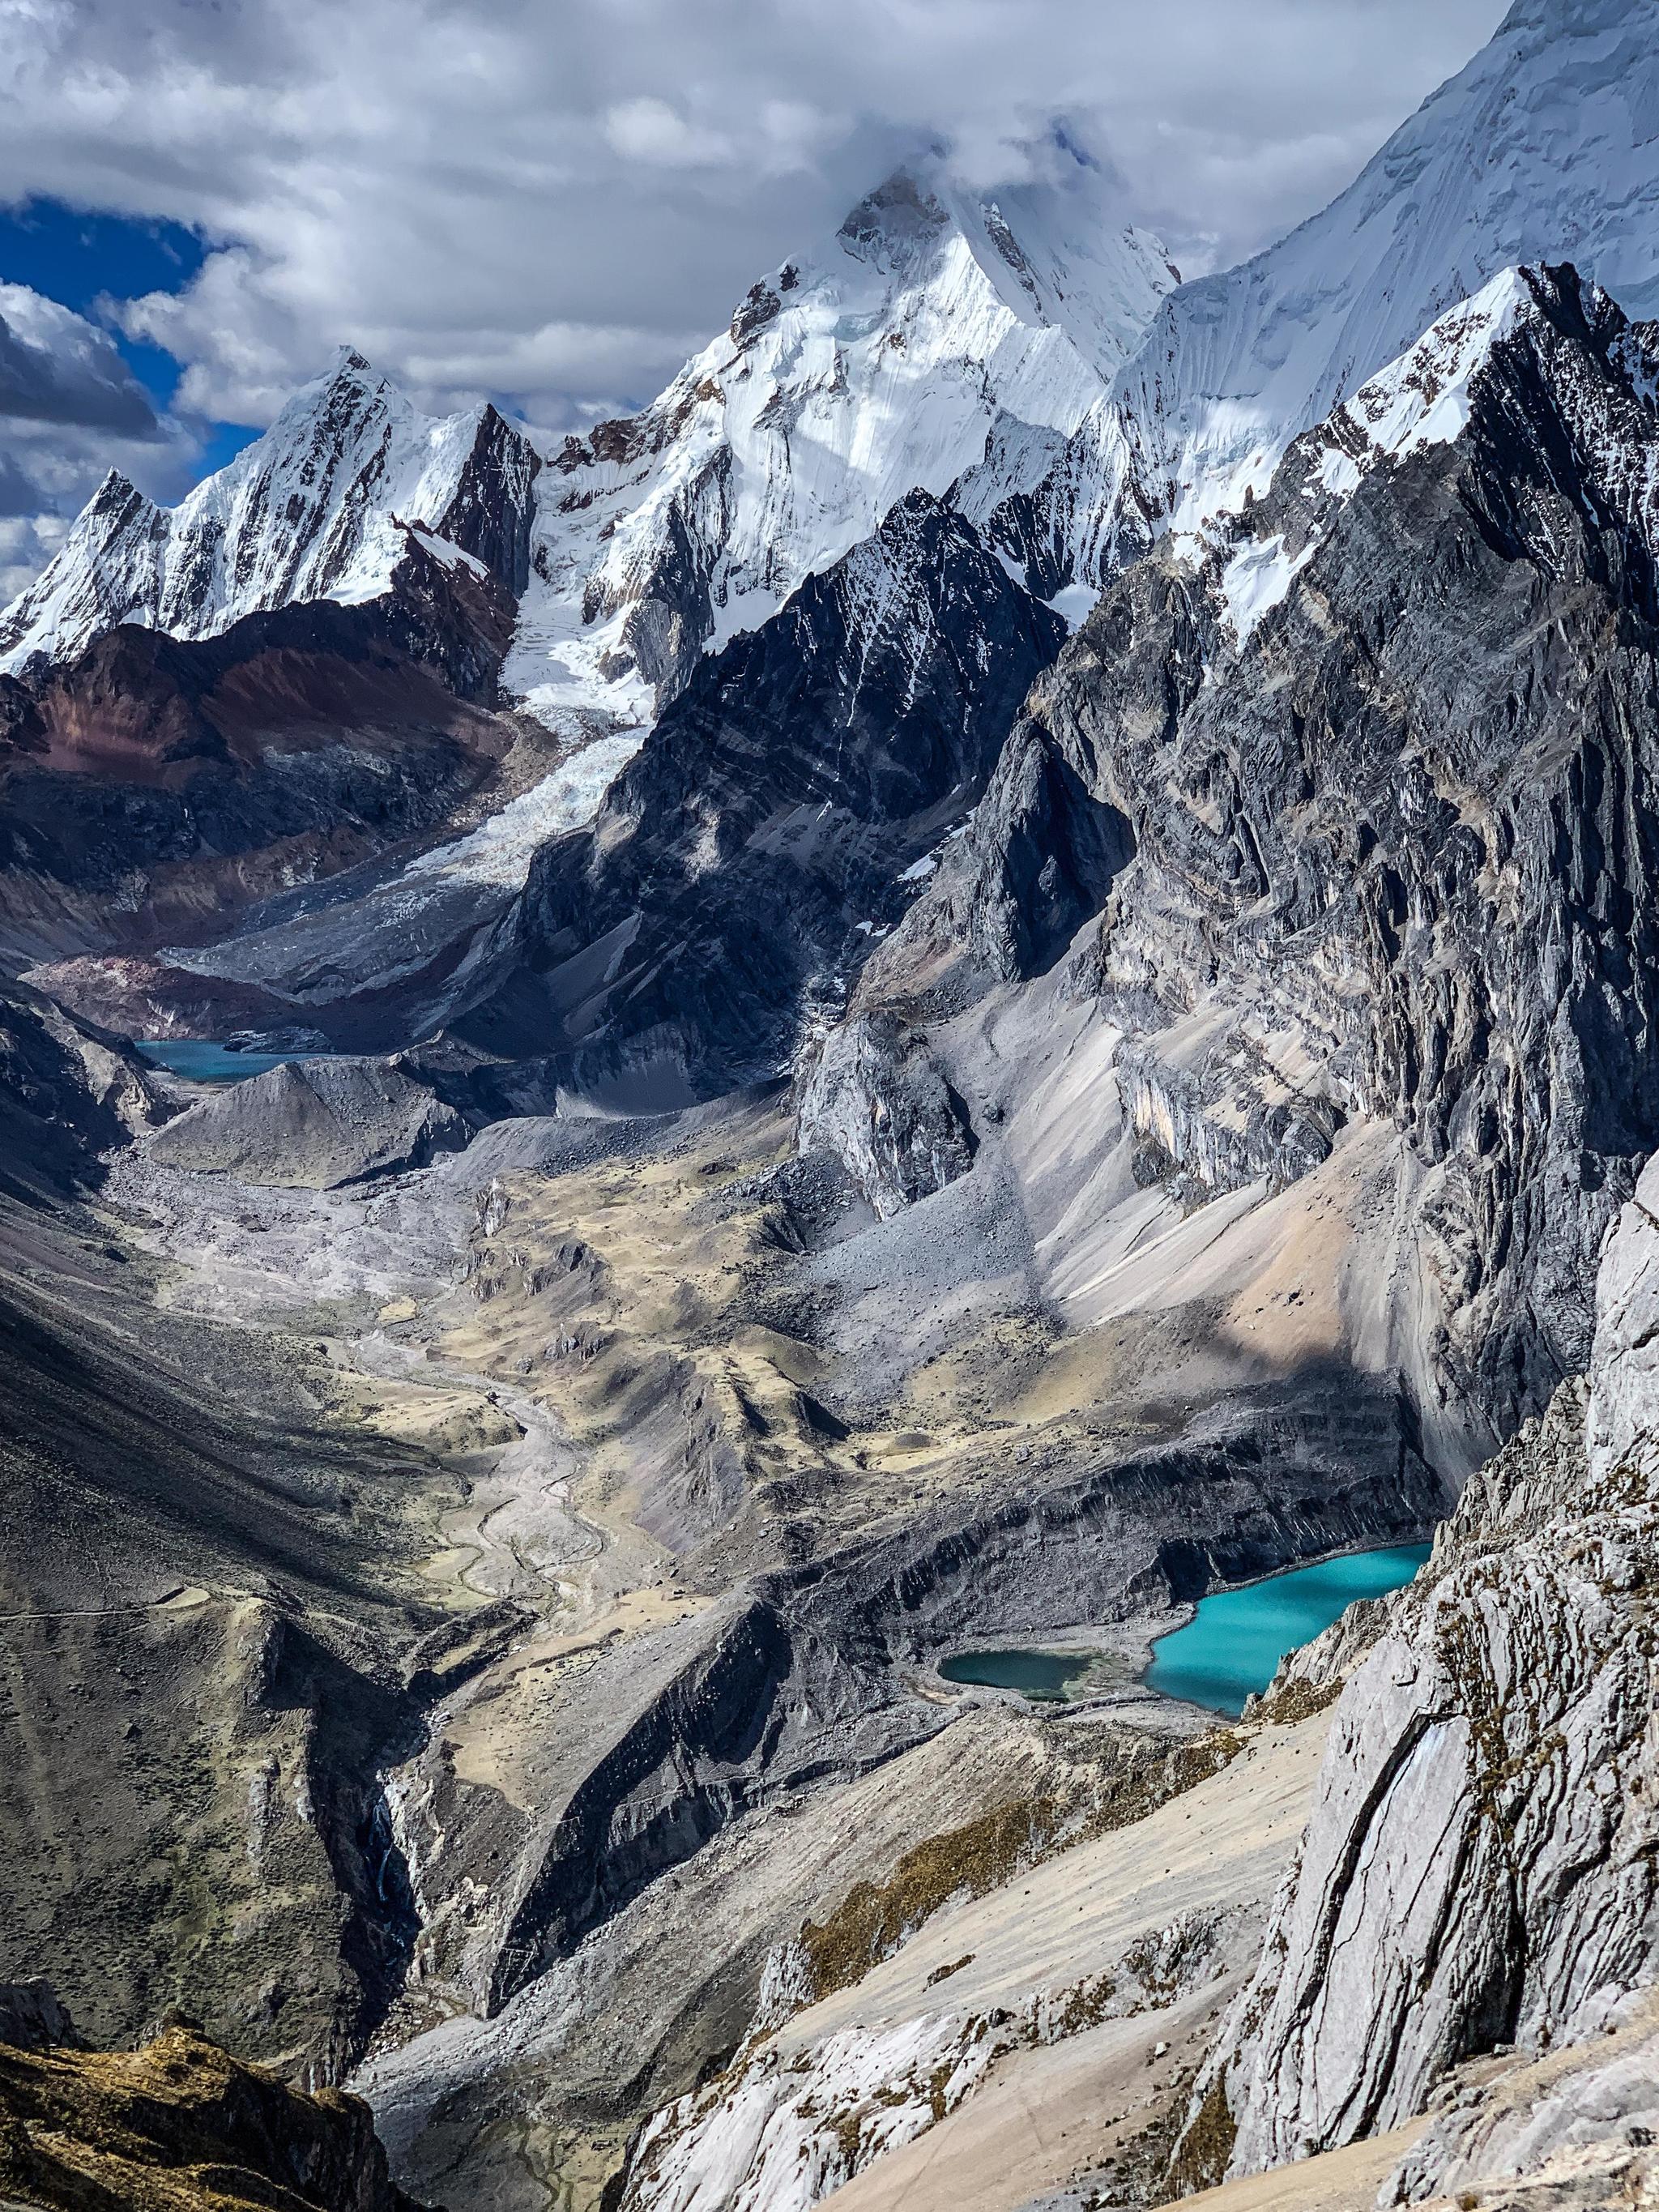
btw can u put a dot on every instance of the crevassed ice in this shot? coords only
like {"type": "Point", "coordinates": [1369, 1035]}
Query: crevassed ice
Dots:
{"type": "Point", "coordinates": [501, 849]}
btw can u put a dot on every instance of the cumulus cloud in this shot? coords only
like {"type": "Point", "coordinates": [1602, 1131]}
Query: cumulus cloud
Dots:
{"type": "Point", "coordinates": [56, 366]}
{"type": "Point", "coordinates": [70, 410]}
{"type": "Point", "coordinates": [554, 200]}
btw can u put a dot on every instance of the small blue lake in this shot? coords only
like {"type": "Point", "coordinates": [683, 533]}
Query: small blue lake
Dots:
{"type": "Point", "coordinates": [202, 1060]}
{"type": "Point", "coordinates": [1233, 1642]}
{"type": "Point", "coordinates": [1046, 1676]}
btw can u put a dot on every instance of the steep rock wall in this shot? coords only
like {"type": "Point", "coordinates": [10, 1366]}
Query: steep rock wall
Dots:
{"type": "Point", "coordinates": [1479, 1868]}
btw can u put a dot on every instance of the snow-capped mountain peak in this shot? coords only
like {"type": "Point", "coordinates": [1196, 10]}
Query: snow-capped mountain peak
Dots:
{"type": "Point", "coordinates": [940, 332]}
{"type": "Point", "coordinates": [316, 507]}
{"type": "Point", "coordinates": [1550, 364]}
{"type": "Point", "coordinates": [1541, 150]}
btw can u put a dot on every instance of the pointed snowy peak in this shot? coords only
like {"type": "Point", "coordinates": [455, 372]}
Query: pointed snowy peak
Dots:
{"type": "Point", "coordinates": [116, 492]}
{"type": "Point", "coordinates": [319, 506]}
{"type": "Point", "coordinates": [107, 571]}
{"type": "Point", "coordinates": [944, 334]}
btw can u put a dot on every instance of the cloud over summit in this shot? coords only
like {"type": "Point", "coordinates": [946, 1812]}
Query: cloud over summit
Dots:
{"type": "Point", "coordinates": [554, 202]}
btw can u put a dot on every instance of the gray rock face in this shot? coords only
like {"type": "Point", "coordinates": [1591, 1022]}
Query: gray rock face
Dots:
{"type": "Point", "coordinates": [1577, 2130]}
{"type": "Point", "coordinates": [1364, 803]}
{"type": "Point", "coordinates": [67, 1092]}
{"type": "Point", "coordinates": [878, 1100]}
{"type": "Point", "coordinates": [1479, 1866]}
{"type": "Point", "coordinates": [313, 1125]}
{"type": "Point", "coordinates": [1624, 1407]}
{"type": "Point", "coordinates": [740, 864]}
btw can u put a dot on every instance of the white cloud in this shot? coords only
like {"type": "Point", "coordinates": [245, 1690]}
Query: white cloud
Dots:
{"type": "Point", "coordinates": [70, 410]}
{"type": "Point", "coordinates": [649, 130]}
{"type": "Point", "coordinates": [554, 200]}
{"type": "Point", "coordinates": [26, 544]}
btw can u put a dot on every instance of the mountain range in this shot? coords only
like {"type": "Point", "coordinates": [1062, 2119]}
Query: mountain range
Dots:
{"type": "Point", "coordinates": [991, 970]}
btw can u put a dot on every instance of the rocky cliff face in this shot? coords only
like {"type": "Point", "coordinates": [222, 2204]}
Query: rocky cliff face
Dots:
{"type": "Point", "coordinates": [782, 811]}
{"type": "Point", "coordinates": [1478, 1870]}
{"type": "Point", "coordinates": [1383, 760]}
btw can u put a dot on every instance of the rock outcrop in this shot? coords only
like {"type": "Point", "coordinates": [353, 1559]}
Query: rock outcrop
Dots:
{"type": "Point", "coordinates": [313, 1125]}
{"type": "Point", "coordinates": [1576, 2130]}
{"type": "Point", "coordinates": [179, 2125]}
{"type": "Point", "coordinates": [1478, 1868]}
{"type": "Point", "coordinates": [878, 1099]}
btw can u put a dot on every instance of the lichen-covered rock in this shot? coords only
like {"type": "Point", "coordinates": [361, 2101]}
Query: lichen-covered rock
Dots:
{"type": "Point", "coordinates": [879, 1101]}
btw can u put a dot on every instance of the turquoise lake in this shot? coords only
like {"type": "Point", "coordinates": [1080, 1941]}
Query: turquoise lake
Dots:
{"type": "Point", "coordinates": [203, 1061]}
{"type": "Point", "coordinates": [1233, 1642]}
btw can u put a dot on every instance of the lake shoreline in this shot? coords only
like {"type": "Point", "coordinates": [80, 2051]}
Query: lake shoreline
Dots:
{"type": "Point", "coordinates": [1037, 1669]}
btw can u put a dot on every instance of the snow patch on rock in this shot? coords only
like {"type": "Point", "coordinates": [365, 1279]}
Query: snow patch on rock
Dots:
{"type": "Point", "coordinates": [500, 850]}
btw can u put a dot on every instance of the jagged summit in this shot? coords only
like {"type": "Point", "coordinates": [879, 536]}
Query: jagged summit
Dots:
{"type": "Point", "coordinates": [940, 332]}
{"type": "Point", "coordinates": [312, 509]}
{"type": "Point", "coordinates": [941, 336]}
